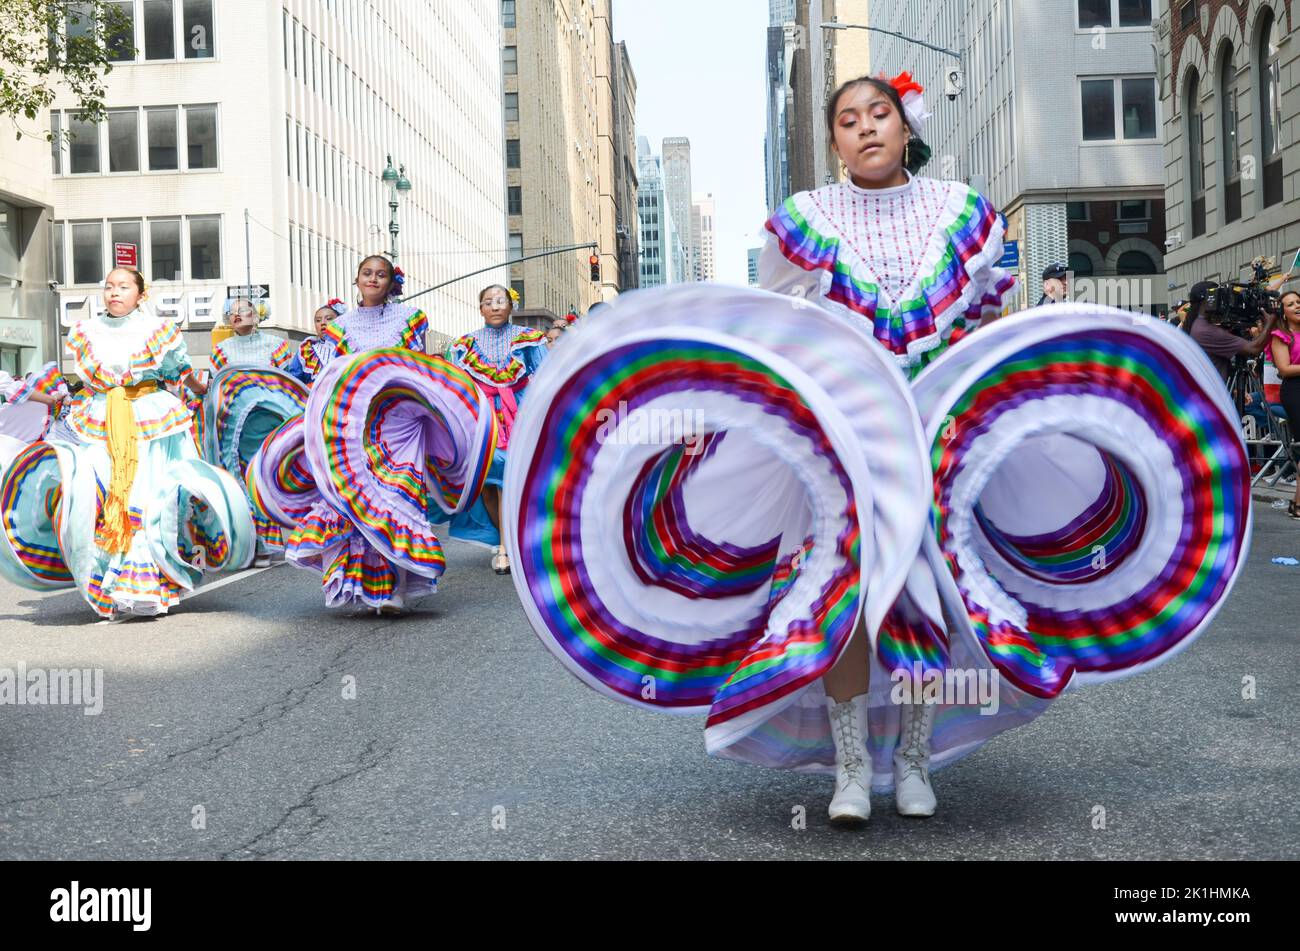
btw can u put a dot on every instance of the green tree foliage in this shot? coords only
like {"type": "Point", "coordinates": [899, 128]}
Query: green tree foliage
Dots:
{"type": "Point", "coordinates": [49, 45]}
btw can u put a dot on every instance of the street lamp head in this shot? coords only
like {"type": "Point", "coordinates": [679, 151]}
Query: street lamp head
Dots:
{"type": "Point", "coordinates": [403, 183]}
{"type": "Point", "coordinates": [390, 173]}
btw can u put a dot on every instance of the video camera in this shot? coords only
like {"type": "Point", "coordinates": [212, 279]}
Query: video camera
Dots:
{"type": "Point", "coordinates": [1238, 307]}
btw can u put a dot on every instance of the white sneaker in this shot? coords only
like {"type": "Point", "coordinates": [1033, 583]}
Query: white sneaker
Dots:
{"type": "Point", "coordinates": [851, 804]}
{"type": "Point", "coordinates": [913, 794]}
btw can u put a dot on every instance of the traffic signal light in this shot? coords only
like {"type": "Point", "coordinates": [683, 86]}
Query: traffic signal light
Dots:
{"type": "Point", "coordinates": [594, 261]}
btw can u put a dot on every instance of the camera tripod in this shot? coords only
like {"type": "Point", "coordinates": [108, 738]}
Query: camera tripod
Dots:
{"type": "Point", "coordinates": [1246, 389]}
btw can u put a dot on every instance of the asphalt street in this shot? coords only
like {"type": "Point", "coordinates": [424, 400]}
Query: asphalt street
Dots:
{"type": "Point", "coordinates": [252, 723]}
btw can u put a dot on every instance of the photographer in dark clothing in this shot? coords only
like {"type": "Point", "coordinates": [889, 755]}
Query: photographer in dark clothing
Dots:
{"type": "Point", "coordinates": [1219, 343]}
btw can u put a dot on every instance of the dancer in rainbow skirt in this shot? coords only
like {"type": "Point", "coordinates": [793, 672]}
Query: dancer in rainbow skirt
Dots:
{"type": "Point", "coordinates": [315, 353]}
{"type": "Point", "coordinates": [858, 538]}
{"type": "Point", "coordinates": [392, 441]}
{"type": "Point", "coordinates": [251, 394]}
{"type": "Point", "coordinates": [129, 513]}
{"type": "Point", "coordinates": [501, 357]}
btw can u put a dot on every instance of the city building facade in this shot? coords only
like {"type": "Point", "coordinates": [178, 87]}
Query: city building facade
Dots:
{"type": "Point", "coordinates": [1056, 118]}
{"type": "Point", "coordinates": [662, 254]}
{"type": "Point", "coordinates": [627, 216]}
{"type": "Point", "coordinates": [557, 60]}
{"type": "Point", "coordinates": [776, 140]}
{"type": "Point", "coordinates": [703, 210]}
{"type": "Point", "coordinates": [676, 159]}
{"type": "Point", "coordinates": [287, 110]}
{"type": "Point", "coordinates": [819, 59]}
{"type": "Point", "coordinates": [1230, 99]}
{"type": "Point", "coordinates": [753, 266]}
{"type": "Point", "coordinates": [28, 305]}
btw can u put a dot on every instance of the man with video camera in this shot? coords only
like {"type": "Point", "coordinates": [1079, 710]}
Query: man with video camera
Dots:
{"type": "Point", "coordinates": [1221, 320]}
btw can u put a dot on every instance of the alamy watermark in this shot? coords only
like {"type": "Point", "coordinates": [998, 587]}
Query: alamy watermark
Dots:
{"type": "Point", "coordinates": [951, 686]}
{"type": "Point", "coordinates": [64, 687]}
{"type": "Point", "coordinates": [652, 426]}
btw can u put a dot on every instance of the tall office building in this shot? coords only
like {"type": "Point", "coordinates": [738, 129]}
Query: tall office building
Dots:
{"type": "Point", "coordinates": [627, 216]}
{"type": "Point", "coordinates": [289, 110]}
{"type": "Point", "coordinates": [817, 61]}
{"type": "Point", "coordinates": [662, 254]}
{"type": "Point", "coordinates": [703, 209]}
{"type": "Point", "coordinates": [776, 140]}
{"type": "Point", "coordinates": [677, 192]}
{"type": "Point", "coordinates": [1231, 152]}
{"type": "Point", "coordinates": [1067, 146]}
{"type": "Point", "coordinates": [560, 105]}
{"type": "Point", "coordinates": [753, 266]}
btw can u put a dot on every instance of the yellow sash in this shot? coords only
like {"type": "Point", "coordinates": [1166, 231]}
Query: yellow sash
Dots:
{"type": "Point", "coordinates": [115, 530]}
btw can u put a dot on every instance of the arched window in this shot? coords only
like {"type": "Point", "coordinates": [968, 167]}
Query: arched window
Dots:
{"type": "Point", "coordinates": [1081, 264]}
{"type": "Point", "coordinates": [1135, 262]}
{"type": "Point", "coordinates": [1228, 135]}
{"type": "Point", "coordinates": [1268, 72]}
{"type": "Point", "coordinates": [1194, 140]}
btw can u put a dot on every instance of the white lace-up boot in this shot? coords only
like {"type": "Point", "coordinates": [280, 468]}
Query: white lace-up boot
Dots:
{"type": "Point", "coordinates": [851, 804]}
{"type": "Point", "coordinates": [912, 791]}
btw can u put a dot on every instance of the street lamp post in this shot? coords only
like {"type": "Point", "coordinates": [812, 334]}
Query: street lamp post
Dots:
{"type": "Point", "coordinates": [398, 186]}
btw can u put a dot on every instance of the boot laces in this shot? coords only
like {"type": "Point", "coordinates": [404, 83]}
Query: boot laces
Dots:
{"type": "Point", "coordinates": [846, 726]}
{"type": "Point", "coordinates": [914, 752]}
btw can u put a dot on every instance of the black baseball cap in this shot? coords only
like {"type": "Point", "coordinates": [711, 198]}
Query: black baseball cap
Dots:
{"type": "Point", "coordinates": [1058, 271]}
{"type": "Point", "coordinates": [1200, 291]}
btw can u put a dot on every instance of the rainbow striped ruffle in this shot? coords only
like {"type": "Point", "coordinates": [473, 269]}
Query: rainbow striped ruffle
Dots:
{"type": "Point", "coordinates": [391, 442]}
{"type": "Point", "coordinates": [1091, 495]}
{"type": "Point", "coordinates": [660, 473]}
{"type": "Point", "coordinates": [959, 279]}
{"type": "Point", "coordinates": [191, 518]}
{"type": "Point", "coordinates": [1087, 489]}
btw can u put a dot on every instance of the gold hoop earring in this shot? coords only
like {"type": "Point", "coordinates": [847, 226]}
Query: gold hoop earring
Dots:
{"type": "Point", "coordinates": [907, 153]}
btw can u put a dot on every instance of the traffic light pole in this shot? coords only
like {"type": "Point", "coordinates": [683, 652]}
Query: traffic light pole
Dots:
{"type": "Point", "coordinates": [493, 267]}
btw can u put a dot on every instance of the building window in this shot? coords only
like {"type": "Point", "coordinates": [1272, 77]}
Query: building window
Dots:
{"type": "Point", "coordinates": [1134, 100]}
{"type": "Point", "coordinates": [56, 142]}
{"type": "Point", "coordinates": [124, 141]}
{"type": "Point", "coordinates": [56, 252]}
{"type": "Point", "coordinates": [508, 14]}
{"type": "Point", "coordinates": [165, 249]}
{"type": "Point", "coordinates": [1076, 211]}
{"type": "Point", "coordinates": [197, 28]}
{"type": "Point", "coordinates": [514, 200]}
{"type": "Point", "coordinates": [1187, 15]}
{"type": "Point", "coordinates": [510, 60]}
{"type": "Point", "coordinates": [83, 147]}
{"type": "Point", "coordinates": [1269, 73]}
{"type": "Point", "coordinates": [124, 232]}
{"type": "Point", "coordinates": [1194, 139]}
{"type": "Point", "coordinates": [121, 41]}
{"type": "Point", "coordinates": [512, 153]}
{"type": "Point", "coordinates": [1139, 108]}
{"type": "Point", "coordinates": [87, 252]}
{"type": "Point", "coordinates": [205, 248]}
{"type": "Point", "coordinates": [1135, 209]}
{"type": "Point", "coordinates": [201, 136]}
{"type": "Point", "coordinates": [516, 246]}
{"type": "Point", "coordinates": [1135, 262]}
{"type": "Point", "coordinates": [1080, 264]}
{"type": "Point", "coordinates": [511, 100]}
{"type": "Point", "coordinates": [159, 30]}
{"type": "Point", "coordinates": [1228, 133]}
{"type": "Point", "coordinates": [1098, 109]}
{"type": "Point", "coordinates": [1093, 13]}
{"type": "Point", "coordinates": [164, 154]}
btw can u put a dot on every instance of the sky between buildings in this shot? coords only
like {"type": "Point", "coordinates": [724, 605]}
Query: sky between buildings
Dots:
{"type": "Point", "coordinates": [699, 68]}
